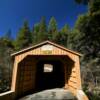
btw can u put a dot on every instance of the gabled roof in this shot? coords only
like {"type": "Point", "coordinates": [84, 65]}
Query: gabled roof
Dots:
{"type": "Point", "coordinates": [43, 43]}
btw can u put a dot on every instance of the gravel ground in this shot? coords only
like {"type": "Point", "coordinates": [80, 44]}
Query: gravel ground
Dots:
{"type": "Point", "coordinates": [52, 94]}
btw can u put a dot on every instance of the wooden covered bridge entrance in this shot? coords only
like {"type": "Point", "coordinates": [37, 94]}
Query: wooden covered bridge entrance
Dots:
{"type": "Point", "coordinates": [40, 72]}
{"type": "Point", "coordinates": [45, 66]}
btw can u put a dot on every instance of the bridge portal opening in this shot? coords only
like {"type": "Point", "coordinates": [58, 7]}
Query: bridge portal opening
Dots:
{"type": "Point", "coordinates": [50, 74]}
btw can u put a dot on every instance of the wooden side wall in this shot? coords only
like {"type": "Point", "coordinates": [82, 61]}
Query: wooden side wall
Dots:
{"type": "Point", "coordinates": [71, 76]}
{"type": "Point", "coordinates": [74, 82]}
{"type": "Point", "coordinates": [26, 77]}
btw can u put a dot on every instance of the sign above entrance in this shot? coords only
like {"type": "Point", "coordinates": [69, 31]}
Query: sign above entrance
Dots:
{"type": "Point", "coordinates": [47, 49]}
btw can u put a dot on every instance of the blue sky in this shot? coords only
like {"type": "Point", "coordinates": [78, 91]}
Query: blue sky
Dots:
{"type": "Point", "coordinates": [14, 12]}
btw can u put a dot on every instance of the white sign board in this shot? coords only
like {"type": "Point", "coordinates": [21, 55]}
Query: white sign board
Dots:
{"type": "Point", "coordinates": [47, 48]}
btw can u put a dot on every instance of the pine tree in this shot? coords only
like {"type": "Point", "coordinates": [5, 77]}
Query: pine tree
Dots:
{"type": "Point", "coordinates": [24, 37]}
{"type": "Point", "coordinates": [42, 33]}
{"type": "Point", "coordinates": [35, 32]}
{"type": "Point", "coordinates": [52, 29]}
{"type": "Point", "coordinates": [5, 64]}
{"type": "Point", "coordinates": [65, 32]}
{"type": "Point", "coordinates": [8, 40]}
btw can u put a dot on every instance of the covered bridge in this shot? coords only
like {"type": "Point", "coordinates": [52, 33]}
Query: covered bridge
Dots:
{"type": "Point", "coordinates": [45, 66]}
